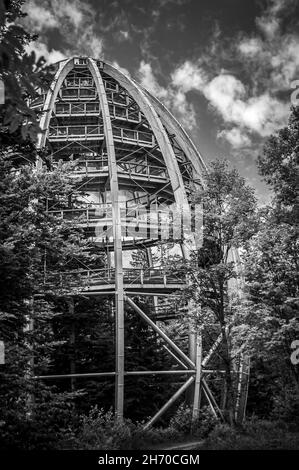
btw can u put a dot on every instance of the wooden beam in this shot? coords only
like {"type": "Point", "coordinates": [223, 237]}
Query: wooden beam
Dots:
{"type": "Point", "coordinates": [116, 217]}
{"type": "Point", "coordinates": [169, 403]}
{"type": "Point", "coordinates": [155, 327]}
{"type": "Point", "coordinates": [196, 401]}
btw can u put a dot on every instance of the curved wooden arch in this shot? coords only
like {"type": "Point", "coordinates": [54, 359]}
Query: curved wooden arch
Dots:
{"type": "Point", "coordinates": [161, 135]}
{"type": "Point", "coordinates": [64, 68]}
{"type": "Point", "coordinates": [182, 137]}
{"type": "Point", "coordinates": [116, 221]}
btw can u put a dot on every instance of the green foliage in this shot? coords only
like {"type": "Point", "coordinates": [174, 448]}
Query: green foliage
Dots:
{"type": "Point", "coordinates": [100, 430]}
{"type": "Point", "coordinates": [229, 218]}
{"type": "Point", "coordinates": [254, 435]}
{"type": "Point", "coordinates": [268, 319]}
{"type": "Point", "coordinates": [229, 209]}
{"type": "Point", "coordinates": [279, 166]}
{"type": "Point", "coordinates": [286, 407]}
{"type": "Point", "coordinates": [52, 419]}
{"type": "Point", "coordinates": [27, 231]}
{"type": "Point", "coordinates": [22, 74]}
{"type": "Point", "coordinates": [182, 422]}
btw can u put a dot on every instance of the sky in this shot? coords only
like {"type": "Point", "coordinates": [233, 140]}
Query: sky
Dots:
{"type": "Point", "coordinates": [224, 68]}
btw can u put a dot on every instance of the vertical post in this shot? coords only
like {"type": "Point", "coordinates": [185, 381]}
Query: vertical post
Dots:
{"type": "Point", "coordinates": [151, 265]}
{"type": "Point", "coordinates": [29, 373]}
{"type": "Point", "coordinates": [192, 340]}
{"type": "Point", "coordinates": [242, 389]}
{"type": "Point", "coordinates": [118, 265]}
{"type": "Point", "coordinates": [72, 342]}
{"type": "Point", "coordinates": [2, 352]}
{"type": "Point", "coordinates": [197, 391]}
{"type": "Point", "coordinates": [192, 336]}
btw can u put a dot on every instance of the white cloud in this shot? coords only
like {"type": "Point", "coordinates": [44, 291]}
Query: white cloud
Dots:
{"type": "Point", "coordinates": [272, 51]}
{"type": "Point", "coordinates": [276, 55]}
{"type": "Point", "coordinates": [50, 15]}
{"type": "Point", "coordinates": [285, 63]}
{"type": "Point", "coordinates": [41, 49]}
{"type": "Point", "coordinates": [224, 92]}
{"type": "Point", "coordinates": [124, 35]}
{"type": "Point", "coordinates": [87, 44]}
{"type": "Point", "coordinates": [72, 19]}
{"type": "Point", "coordinates": [268, 26]}
{"type": "Point", "coordinates": [72, 10]}
{"type": "Point", "coordinates": [270, 58]}
{"type": "Point", "coordinates": [250, 47]}
{"type": "Point", "coordinates": [188, 76]}
{"type": "Point", "coordinates": [183, 109]}
{"type": "Point", "coordinates": [39, 17]}
{"type": "Point", "coordinates": [235, 137]}
{"type": "Point", "coordinates": [149, 81]}
{"type": "Point", "coordinates": [257, 108]}
{"type": "Point", "coordinates": [269, 22]}
{"type": "Point", "coordinates": [173, 97]}
{"type": "Point", "coordinates": [262, 114]}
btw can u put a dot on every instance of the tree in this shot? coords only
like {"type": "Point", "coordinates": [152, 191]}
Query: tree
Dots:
{"type": "Point", "coordinates": [270, 319]}
{"type": "Point", "coordinates": [30, 240]}
{"type": "Point", "coordinates": [229, 208]}
{"type": "Point", "coordinates": [23, 76]}
{"type": "Point", "coordinates": [278, 165]}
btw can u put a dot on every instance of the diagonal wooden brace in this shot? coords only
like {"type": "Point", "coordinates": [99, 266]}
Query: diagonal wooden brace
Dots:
{"type": "Point", "coordinates": [178, 351]}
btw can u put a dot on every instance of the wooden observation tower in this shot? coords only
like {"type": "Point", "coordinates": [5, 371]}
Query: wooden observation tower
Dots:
{"type": "Point", "coordinates": [139, 167]}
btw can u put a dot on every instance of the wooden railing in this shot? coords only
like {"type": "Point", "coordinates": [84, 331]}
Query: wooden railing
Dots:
{"type": "Point", "coordinates": [132, 276]}
{"type": "Point", "coordinates": [75, 131]}
{"type": "Point", "coordinates": [133, 169]}
{"type": "Point", "coordinates": [119, 133]}
{"type": "Point", "coordinates": [127, 135]}
{"type": "Point", "coordinates": [95, 211]}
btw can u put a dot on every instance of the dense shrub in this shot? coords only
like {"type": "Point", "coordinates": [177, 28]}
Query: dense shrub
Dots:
{"type": "Point", "coordinates": [48, 424]}
{"type": "Point", "coordinates": [100, 430]}
{"type": "Point", "coordinates": [254, 435]}
{"type": "Point", "coordinates": [286, 408]}
{"type": "Point", "coordinates": [200, 428]}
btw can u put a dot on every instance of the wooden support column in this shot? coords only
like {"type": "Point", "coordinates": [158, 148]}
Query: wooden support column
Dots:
{"type": "Point", "coordinates": [242, 388]}
{"type": "Point", "coordinates": [72, 341]}
{"type": "Point", "coordinates": [197, 390]}
{"type": "Point", "coordinates": [116, 217]}
{"type": "Point", "coordinates": [30, 367]}
{"type": "Point", "coordinates": [192, 337]}
{"type": "Point", "coordinates": [150, 264]}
